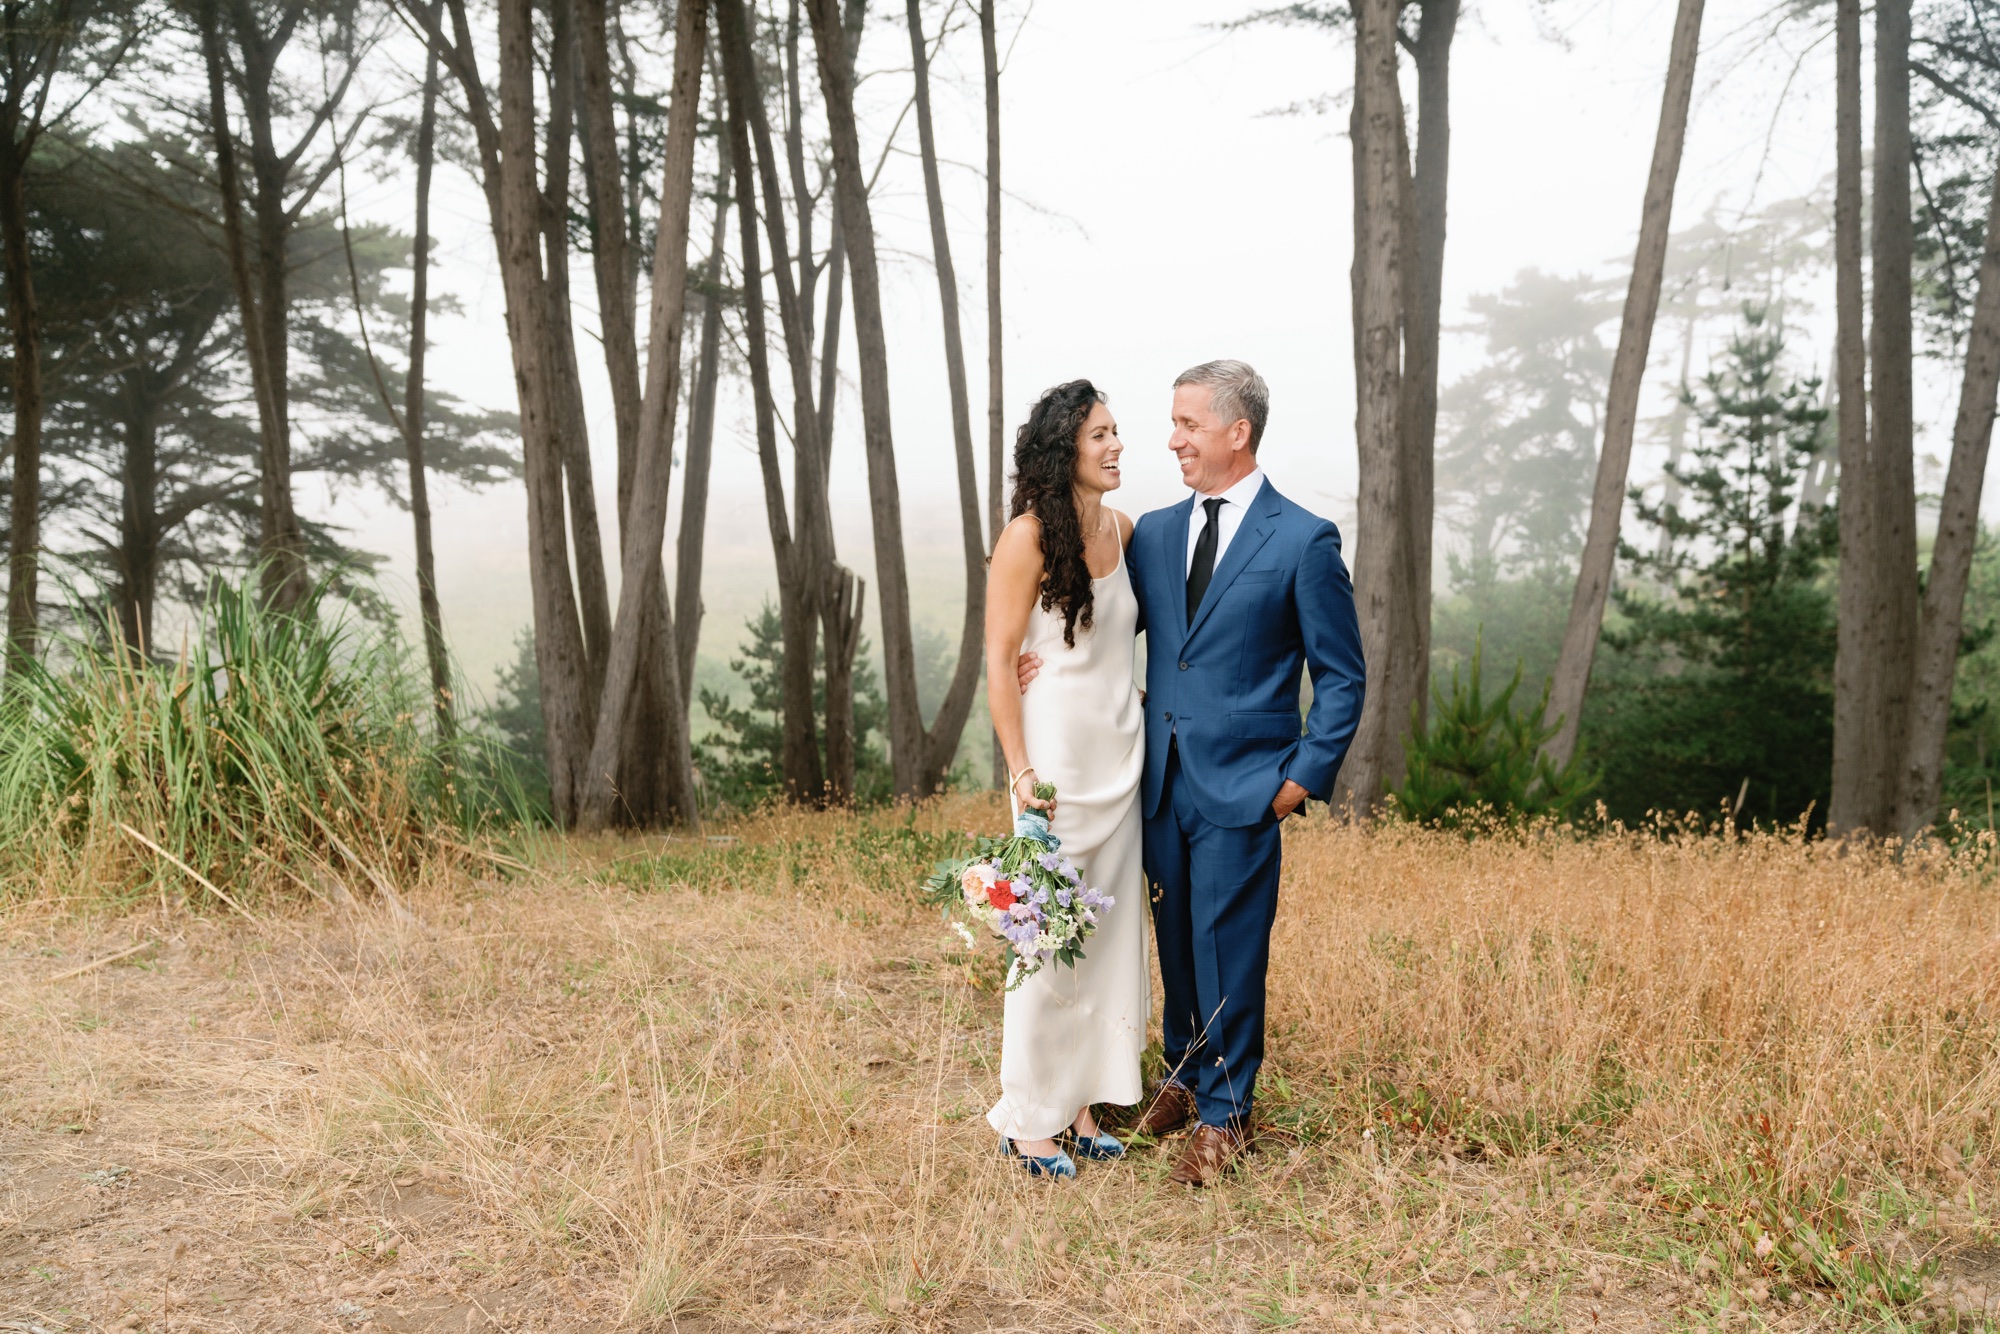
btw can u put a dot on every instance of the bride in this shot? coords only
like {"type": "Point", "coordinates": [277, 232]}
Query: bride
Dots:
{"type": "Point", "coordinates": [1057, 587]}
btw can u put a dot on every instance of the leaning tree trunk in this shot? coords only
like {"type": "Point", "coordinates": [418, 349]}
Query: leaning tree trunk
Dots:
{"type": "Point", "coordinates": [1383, 567]}
{"type": "Point", "coordinates": [1855, 797]}
{"type": "Point", "coordinates": [413, 405]}
{"type": "Point", "coordinates": [942, 738]}
{"type": "Point", "coordinates": [906, 729]}
{"type": "Point", "coordinates": [1621, 409]}
{"type": "Point", "coordinates": [643, 615]}
{"type": "Point", "coordinates": [1922, 771]}
{"type": "Point", "coordinates": [1892, 613]}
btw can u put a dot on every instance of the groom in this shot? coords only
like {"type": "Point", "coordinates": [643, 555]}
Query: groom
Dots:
{"type": "Point", "coordinates": [1239, 589]}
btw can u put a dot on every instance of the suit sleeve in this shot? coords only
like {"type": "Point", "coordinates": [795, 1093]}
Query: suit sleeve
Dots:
{"type": "Point", "coordinates": [1332, 636]}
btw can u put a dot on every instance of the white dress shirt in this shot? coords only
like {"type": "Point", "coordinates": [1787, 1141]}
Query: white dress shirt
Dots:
{"type": "Point", "coordinates": [1235, 504]}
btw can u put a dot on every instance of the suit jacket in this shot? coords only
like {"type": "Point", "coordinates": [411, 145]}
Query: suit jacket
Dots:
{"type": "Point", "coordinates": [1225, 687]}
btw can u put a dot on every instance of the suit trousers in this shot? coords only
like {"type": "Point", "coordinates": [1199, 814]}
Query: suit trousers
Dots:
{"type": "Point", "coordinates": [1215, 895]}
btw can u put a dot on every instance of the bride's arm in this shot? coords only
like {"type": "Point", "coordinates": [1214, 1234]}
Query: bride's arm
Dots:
{"type": "Point", "coordinates": [1013, 586]}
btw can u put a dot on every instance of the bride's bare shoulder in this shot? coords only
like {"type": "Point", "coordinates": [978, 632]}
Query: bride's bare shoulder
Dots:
{"type": "Point", "coordinates": [1020, 542]}
{"type": "Point", "coordinates": [1124, 522]}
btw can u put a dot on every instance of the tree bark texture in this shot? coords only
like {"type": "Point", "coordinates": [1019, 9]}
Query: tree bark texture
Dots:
{"type": "Point", "coordinates": [643, 613]}
{"type": "Point", "coordinates": [844, 594]}
{"type": "Point", "coordinates": [507, 158]}
{"type": "Point", "coordinates": [1891, 617]}
{"type": "Point", "coordinates": [996, 400]}
{"type": "Point", "coordinates": [1621, 411]}
{"type": "Point", "coordinates": [435, 653]}
{"type": "Point", "coordinates": [793, 539]}
{"type": "Point", "coordinates": [24, 536]}
{"type": "Point", "coordinates": [604, 178]}
{"type": "Point", "coordinates": [692, 543]}
{"type": "Point", "coordinates": [1423, 291]}
{"type": "Point", "coordinates": [33, 45]}
{"type": "Point", "coordinates": [1383, 555]}
{"type": "Point", "coordinates": [281, 542]}
{"type": "Point", "coordinates": [1855, 799]}
{"type": "Point", "coordinates": [1922, 771]}
{"type": "Point", "coordinates": [942, 737]}
{"type": "Point", "coordinates": [906, 730]}
{"type": "Point", "coordinates": [799, 753]}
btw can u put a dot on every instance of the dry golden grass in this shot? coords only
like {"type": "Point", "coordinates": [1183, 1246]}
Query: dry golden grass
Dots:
{"type": "Point", "coordinates": [1625, 1082]}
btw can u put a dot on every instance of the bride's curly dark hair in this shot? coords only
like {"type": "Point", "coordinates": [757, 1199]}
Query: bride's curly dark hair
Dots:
{"type": "Point", "coordinates": [1045, 486]}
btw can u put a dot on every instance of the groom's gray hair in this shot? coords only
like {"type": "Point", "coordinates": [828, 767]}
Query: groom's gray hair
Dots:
{"type": "Point", "coordinates": [1235, 393]}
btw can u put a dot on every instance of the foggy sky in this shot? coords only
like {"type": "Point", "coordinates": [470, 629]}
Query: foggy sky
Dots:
{"type": "Point", "coordinates": [1160, 215]}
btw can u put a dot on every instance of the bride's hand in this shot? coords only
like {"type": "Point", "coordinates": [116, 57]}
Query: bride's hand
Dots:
{"type": "Point", "coordinates": [1028, 666]}
{"type": "Point", "coordinates": [1024, 792]}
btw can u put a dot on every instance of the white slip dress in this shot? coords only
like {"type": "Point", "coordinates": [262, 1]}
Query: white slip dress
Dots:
{"type": "Point", "coordinates": [1072, 1036]}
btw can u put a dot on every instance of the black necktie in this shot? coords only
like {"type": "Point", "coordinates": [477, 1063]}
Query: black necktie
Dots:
{"type": "Point", "coordinates": [1204, 557]}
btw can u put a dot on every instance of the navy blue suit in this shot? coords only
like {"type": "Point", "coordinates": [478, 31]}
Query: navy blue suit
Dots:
{"type": "Point", "coordinates": [1222, 736]}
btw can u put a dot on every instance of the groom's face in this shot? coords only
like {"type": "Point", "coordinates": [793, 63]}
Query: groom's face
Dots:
{"type": "Point", "coordinates": [1213, 453]}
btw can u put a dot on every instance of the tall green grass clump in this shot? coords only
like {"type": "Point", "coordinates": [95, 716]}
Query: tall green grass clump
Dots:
{"type": "Point", "coordinates": [281, 753]}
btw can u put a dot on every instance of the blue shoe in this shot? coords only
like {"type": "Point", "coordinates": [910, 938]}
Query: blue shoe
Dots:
{"type": "Point", "coordinates": [1058, 1167]}
{"type": "Point", "coordinates": [1099, 1148]}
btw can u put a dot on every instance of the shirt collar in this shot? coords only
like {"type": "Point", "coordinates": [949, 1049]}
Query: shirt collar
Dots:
{"type": "Point", "coordinates": [1243, 492]}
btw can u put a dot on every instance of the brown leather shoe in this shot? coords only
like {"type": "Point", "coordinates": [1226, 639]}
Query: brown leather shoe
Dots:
{"type": "Point", "coordinates": [1208, 1155]}
{"type": "Point", "coordinates": [1171, 1108]}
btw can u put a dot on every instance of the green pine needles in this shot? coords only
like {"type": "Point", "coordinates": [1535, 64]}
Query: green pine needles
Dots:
{"type": "Point", "coordinates": [1481, 761]}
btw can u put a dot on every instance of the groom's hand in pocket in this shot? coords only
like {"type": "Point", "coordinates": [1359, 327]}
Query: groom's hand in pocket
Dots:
{"type": "Point", "coordinates": [1288, 799]}
{"type": "Point", "coordinates": [1028, 666]}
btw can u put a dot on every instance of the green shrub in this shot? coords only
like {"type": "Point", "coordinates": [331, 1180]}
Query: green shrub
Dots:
{"type": "Point", "coordinates": [1481, 759]}
{"type": "Point", "coordinates": [281, 752]}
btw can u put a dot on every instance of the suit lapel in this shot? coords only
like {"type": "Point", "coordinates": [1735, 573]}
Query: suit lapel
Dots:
{"type": "Point", "coordinates": [1251, 535]}
{"type": "Point", "coordinates": [1177, 546]}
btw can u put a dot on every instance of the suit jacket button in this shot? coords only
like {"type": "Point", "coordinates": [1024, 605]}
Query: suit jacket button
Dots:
{"type": "Point", "coordinates": [1170, 717]}
{"type": "Point", "coordinates": [1183, 666]}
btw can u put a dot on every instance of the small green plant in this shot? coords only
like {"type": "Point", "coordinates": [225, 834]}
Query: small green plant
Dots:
{"type": "Point", "coordinates": [1481, 759]}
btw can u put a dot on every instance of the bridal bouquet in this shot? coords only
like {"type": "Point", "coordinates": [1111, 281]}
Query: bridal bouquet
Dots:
{"type": "Point", "coordinates": [1025, 891]}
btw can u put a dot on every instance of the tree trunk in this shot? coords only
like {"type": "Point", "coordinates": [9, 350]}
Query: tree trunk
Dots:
{"type": "Point", "coordinates": [507, 157]}
{"type": "Point", "coordinates": [586, 532]}
{"type": "Point", "coordinates": [1892, 616]}
{"type": "Point", "coordinates": [139, 527]}
{"type": "Point", "coordinates": [795, 542]}
{"type": "Point", "coordinates": [942, 737]}
{"type": "Point", "coordinates": [24, 322]}
{"type": "Point", "coordinates": [1621, 410]}
{"type": "Point", "coordinates": [843, 597]}
{"type": "Point", "coordinates": [413, 404]}
{"type": "Point", "coordinates": [700, 443]}
{"type": "Point", "coordinates": [1855, 799]}
{"type": "Point", "coordinates": [1922, 771]}
{"type": "Point", "coordinates": [641, 601]}
{"type": "Point", "coordinates": [996, 400]}
{"type": "Point", "coordinates": [281, 542]}
{"type": "Point", "coordinates": [603, 177]}
{"type": "Point", "coordinates": [1423, 293]}
{"type": "Point", "coordinates": [273, 543]}
{"type": "Point", "coordinates": [1383, 563]}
